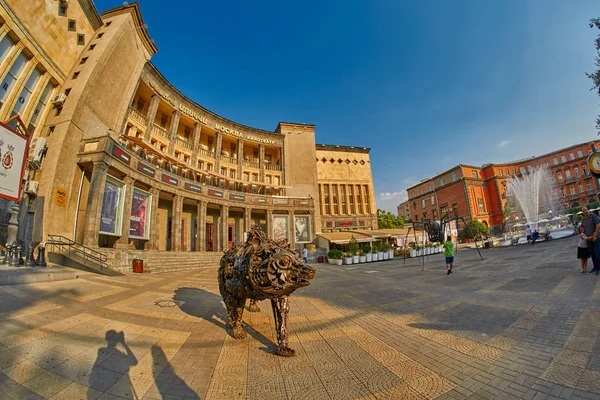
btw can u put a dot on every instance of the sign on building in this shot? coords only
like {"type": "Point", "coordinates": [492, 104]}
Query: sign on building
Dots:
{"type": "Point", "coordinates": [13, 156]}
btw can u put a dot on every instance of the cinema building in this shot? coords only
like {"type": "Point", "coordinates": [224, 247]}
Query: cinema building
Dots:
{"type": "Point", "coordinates": [128, 166]}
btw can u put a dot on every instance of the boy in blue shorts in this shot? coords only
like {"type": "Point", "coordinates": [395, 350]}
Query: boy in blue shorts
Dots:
{"type": "Point", "coordinates": [449, 254]}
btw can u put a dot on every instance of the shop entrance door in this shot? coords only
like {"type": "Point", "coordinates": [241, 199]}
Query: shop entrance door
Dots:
{"type": "Point", "coordinates": [230, 236]}
{"type": "Point", "coordinates": [210, 237]}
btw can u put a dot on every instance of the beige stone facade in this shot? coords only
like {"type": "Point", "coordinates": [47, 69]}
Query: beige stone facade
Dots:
{"type": "Point", "coordinates": [132, 164]}
{"type": "Point", "coordinates": [346, 194]}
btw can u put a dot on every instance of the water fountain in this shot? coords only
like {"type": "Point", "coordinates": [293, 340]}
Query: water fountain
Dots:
{"type": "Point", "coordinates": [534, 192]}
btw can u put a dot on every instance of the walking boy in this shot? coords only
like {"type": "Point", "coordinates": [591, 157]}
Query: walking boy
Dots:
{"type": "Point", "coordinates": [449, 254]}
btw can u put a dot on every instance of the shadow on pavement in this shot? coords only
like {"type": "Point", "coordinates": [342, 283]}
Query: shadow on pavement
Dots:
{"type": "Point", "coordinates": [167, 381]}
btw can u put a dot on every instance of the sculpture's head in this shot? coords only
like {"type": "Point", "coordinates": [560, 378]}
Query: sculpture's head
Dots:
{"type": "Point", "coordinates": [274, 269]}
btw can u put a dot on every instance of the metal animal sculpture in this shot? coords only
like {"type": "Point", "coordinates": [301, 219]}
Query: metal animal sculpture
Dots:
{"type": "Point", "coordinates": [257, 270]}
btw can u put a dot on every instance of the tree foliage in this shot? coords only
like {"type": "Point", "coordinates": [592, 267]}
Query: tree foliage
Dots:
{"type": "Point", "coordinates": [595, 76]}
{"type": "Point", "coordinates": [386, 220]}
{"type": "Point", "coordinates": [475, 229]}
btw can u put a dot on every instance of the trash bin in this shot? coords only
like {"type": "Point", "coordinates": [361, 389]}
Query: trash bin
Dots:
{"type": "Point", "coordinates": [138, 265]}
{"type": "Point", "coordinates": [486, 245]}
{"type": "Point", "coordinates": [320, 259]}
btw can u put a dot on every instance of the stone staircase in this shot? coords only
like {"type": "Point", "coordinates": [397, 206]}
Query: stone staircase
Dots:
{"type": "Point", "coordinates": [160, 261]}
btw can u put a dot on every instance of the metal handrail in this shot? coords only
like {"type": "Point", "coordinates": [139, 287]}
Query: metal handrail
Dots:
{"type": "Point", "coordinates": [82, 251]}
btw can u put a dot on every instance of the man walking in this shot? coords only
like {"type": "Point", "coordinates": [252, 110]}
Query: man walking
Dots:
{"type": "Point", "coordinates": [591, 224]}
{"type": "Point", "coordinates": [528, 234]}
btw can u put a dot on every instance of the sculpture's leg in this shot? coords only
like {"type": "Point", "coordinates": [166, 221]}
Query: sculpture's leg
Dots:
{"type": "Point", "coordinates": [253, 306]}
{"type": "Point", "coordinates": [235, 312]}
{"type": "Point", "coordinates": [280, 313]}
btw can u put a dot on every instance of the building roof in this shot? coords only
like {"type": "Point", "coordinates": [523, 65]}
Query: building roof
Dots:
{"type": "Point", "coordinates": [334, 147]}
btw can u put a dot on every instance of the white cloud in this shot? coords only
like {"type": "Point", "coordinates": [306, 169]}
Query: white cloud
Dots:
{"type": "Point", "coordinates": [503, 143]}
{"type": "Point", "coordinates": [389, 201]}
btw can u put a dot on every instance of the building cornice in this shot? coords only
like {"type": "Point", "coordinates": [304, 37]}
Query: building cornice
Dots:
{"type": "Point", "coordinates": [351, 149]}
{"type": "Point", "coordinates": [140, 26]}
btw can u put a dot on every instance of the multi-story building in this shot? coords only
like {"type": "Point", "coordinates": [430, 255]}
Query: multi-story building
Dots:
{"type": "Point", "coordinates": [134, 165]}
{"type": "Point", "coordinates": [404, 210]}
{"type": "Point", "coordinates": [345, 188]}
{"type": "Point", "coordinates": [482, 193]}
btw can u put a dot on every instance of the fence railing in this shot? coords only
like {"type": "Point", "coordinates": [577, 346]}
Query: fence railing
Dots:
{"type": "Point", "coordinates": [66, 245]}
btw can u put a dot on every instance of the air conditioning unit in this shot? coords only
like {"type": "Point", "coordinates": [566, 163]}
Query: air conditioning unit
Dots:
{"type": "Point", "coordinates": [59, 100]}
{"type": "Point", "coordinates": [36, 149]}
{"type": "Point", "coordinates": [32, 187]}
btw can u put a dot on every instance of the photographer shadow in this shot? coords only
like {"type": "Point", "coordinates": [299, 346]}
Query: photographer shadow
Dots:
{"type": "Point", "coordinates": [209, 306]}
{"type": "Point", "coordinates": [110, 366]}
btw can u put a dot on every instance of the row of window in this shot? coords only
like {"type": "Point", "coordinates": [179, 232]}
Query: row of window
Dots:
{"type": "Point", "coordinates": [340, 199]}
{"type": "Point", "coordinates": [15, 72]}
{"type": "Point", "coordinates": [430, 186]}
{"type": "Point", "coordinates": [572, 191]}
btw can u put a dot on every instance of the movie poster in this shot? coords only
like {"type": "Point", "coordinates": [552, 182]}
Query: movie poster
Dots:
{"type": "Point", "coordinates": [280, 227]}
{"type": "Point", "coordinates": [302, 227]}
{"type": "Point", "coordinates": [140, 212]}
{"type": "Point", "coordinates": [110, 216]}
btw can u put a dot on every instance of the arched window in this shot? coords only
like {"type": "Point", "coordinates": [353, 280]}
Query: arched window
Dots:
{"type": "Point", "coordinates": [576, 172]}
{"type": "Point", "coordinates": [567, 173]}
{"type": "Point", "coordinates": [559, 176]}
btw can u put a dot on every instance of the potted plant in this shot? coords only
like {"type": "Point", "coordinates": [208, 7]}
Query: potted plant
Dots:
{"type": "Point", "coordinates": [413, 249]}
{"type": "Point", "coordinates": [361, 256]}
{"type": "Point", "coordinates": [354, 247]}
{"type": "Point", "coordinates": [380, 255]}
{"type": "Point", "coordinates": [367, 251]}
{"type": "Point", "coordinates": [374, 253]}
{"type": "Point", "coordinates": [339, 257]}
{"type": "Point", "coordinates": [348, 258]}
{"type": "Point", "coordinates": [391, 252]}
{"type": "Point", "coordinates": [331, 256]}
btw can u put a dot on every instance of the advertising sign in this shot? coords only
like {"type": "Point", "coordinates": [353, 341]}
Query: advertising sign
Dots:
{"type": "Point", "coordinates": [13, 155]}
{"type": "Point", "coordinates": [280, 227]}
{"type": "Point", "coordinates": [302, 227]}
{"type": "Point", "coordinates": [110, 216]}
{"type": "Point", "coordinates": [140, 213]}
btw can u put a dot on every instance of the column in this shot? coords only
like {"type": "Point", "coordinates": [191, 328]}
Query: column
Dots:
{"type": "Point", "coordinates": [224, 225]}
{"type": "Point", "coordinates": [94, 204]}
{"type": "Point", "coordinates": [282, 163]}
{"type": "Point", "coordinates": [240, 157]}
{"type": "Point", "coordinates": [348, 211]}
{"type": "Point", "coordinates": [356, 197]}
{"type": "Point", "coordinates": [123, 241]}
{"type": "Point", "coordinates": [152, 244]}
{"type": "Point", "coordinates": [218, 145]}
{"type": "Point", "coordinates": [176, 223]}
{"type": "Point", "coordinates": [247, 219]}
{"type": "Point", "coordinates": [197, 129]}
{"type": "Point", "coordinates": [292, 229]}
{"type": "Point", "coordinates": [360, 196]}
{"type": "Point", "coordinates": [261, 162]}
{"type": "Point", "coordinates": [270, 224]}
{"type": "Point", "coordinates": [312, 227]}
{"type": "Point", "coordinates": [322, 198]}
{"type": "Point", "coordinates": [201, 238]}
{"type": "Point", "coordinates": [151, 116]}
{"type": "Point", "coordinates": [173, 131]}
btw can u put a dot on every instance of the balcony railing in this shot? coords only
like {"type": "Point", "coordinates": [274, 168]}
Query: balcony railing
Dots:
{"type": "Point", "coordinates": [159, 130]}
{"type": "Point", "coordinates": [228, 159]}
{"type": "Point", "coordinates": [570, 180]}
{"type": "Point", "coordinates": [574, 196]}
{"type": "Point", "coordinates": [273, 167]}
{"type": "Point", "coordinates": [184, 143]}
{"type": "Point", "coordinates": [251, 164]}
{"type": "Point", "coordinates": [206, 153]}
{"type": "Point", "coordinates": [137, 116]}
{"type": "Point", "coordinates": [591, 191]}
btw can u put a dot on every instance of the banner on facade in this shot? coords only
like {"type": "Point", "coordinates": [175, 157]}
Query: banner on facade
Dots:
{"type": "Point", "coordinates": [140, 212]}
{"type": "Point", "coordinates": [13, 158]}
{"type": "Point", "coordinates": [112, 207]}
{"type": "Point", "coordinates": [280, 227]}
{"type": "Point", "coordinates": [302, 228]}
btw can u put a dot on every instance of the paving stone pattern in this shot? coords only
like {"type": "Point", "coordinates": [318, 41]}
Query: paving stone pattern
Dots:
{"type": "Point", "coordinates": [521, 324]}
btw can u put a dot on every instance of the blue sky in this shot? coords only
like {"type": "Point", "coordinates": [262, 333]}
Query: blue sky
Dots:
{"type": "Point", "coordinates": [425, 84]}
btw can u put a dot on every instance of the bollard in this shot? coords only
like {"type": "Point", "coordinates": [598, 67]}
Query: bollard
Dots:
{"type": "Point", "coordinates": [20, 260]}
{"type": "Point", "coordinates": [8, 257]}
{"type": "Point", "coordinates": [41, 261]}
{"type": "Point", "coordinates": [14, 259]}
{"type": "Point", "coordinates": [30, 259]}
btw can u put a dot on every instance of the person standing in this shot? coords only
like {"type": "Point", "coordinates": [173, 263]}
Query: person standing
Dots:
{"type": "Point", "coordinates": [582, 249]}
{"type": "Point", "coordinates": [591, 225]}
{"type": "Point", "coordinates": [449, 254]}
{"type": "Point", "coordinates": [305, 254]}
{"type": "Point", "coordinates": [528, 234]}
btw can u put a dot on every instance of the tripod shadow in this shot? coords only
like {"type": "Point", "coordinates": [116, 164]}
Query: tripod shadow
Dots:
{"type": "Point", "coordinates": [208, 306]}
{"type": "Point", "coordinates": [167, 380]}
{"type": "Point", "coordinates": [111, 364]}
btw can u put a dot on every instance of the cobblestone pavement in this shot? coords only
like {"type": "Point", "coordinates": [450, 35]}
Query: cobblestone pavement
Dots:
{"type": "Point", "coordinates": [523, 324]}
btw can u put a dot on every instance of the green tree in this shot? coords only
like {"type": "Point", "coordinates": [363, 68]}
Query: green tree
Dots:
{"type": "Point", "coordinates": [386, 220]}
{"type": "Point", "coordinates": [595, 76]}
{"type": "Point", "coordinates": [475, 229]}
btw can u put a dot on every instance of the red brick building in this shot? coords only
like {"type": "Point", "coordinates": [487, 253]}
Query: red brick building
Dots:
{"type": "Point", "coordinates": [481, 192]}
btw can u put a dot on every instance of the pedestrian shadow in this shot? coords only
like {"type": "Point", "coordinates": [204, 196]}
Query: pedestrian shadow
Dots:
{"type": "Point", "coordinates": [168, 383]}
{"type": "Point", "coordinates": [110, 366]}
{"type": "Point", "coordinates": [209, 306]}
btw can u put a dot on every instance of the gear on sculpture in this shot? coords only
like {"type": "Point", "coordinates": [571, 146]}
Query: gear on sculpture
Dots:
{"type": "Point", "coordinates": [257, 270]}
